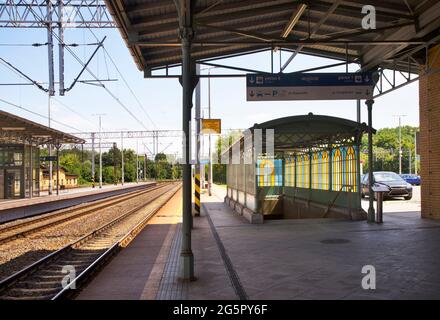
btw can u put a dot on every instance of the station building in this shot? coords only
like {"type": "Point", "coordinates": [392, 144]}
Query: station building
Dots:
{"type": "Point", "coordinates": [67, 180]}
{"type": "Point", "coordinates": [20, 142]}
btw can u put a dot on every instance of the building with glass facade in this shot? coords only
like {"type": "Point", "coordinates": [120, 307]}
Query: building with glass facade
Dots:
{"type": "Point", "coordinates": [20, 142]}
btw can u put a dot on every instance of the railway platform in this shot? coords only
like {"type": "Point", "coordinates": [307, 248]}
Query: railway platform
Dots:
{"type": "Point", "coordinates": [23, 208]}
{"type": "Point", "coordinates": [280, 259]}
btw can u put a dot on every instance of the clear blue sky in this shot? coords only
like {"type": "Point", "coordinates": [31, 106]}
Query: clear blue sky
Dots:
{"type": "Point", "coordinates": [162, 98]}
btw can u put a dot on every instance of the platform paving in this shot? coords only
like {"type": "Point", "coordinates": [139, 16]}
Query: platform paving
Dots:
{"type": "Point", "coordinates": [286, 259]}
{"type": "Point", "coordinates": [23, 208]}
{"type": "Point", "coordinates": [64, 194]}
{"type": "Point", "coordinates": [280, 259]}
{"type": "Point", "coordinates": [137, 270]}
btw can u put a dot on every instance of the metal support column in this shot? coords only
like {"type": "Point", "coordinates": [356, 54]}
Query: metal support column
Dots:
{"type": "Point", "coordinates": [145, 166]}
{"type": "Point", "coordinates": [209, 137]}
{"type": "Point", "coordinates": [50, 47]}
{"type": "Point", "coordinates": [58, 146]}
{"type": "Point", "coordinates": [49, 149]}
{"type": "Point", "coordinates": [51, 91]}
{"type": "Point", "coordinates": [371, 213]}
{"type": "Point", "coordinates": [358, 111]}
{"type": "Point", "coordinates": [197, 164]}
{"type": "Point", "coordinates": [93, 159]}
{"type": "Point", "coordinates": [100, 152]}
{"type": "Point", "coordinates": [31, 173]}
{"type": "Point", "coordinates": [185, 9]}
{"type": "Point", "coordinates": [61, 46]}
{"type": "Point", "coordinates": [358, 157]}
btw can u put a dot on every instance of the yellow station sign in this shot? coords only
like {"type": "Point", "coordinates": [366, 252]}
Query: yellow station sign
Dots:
{"type": "Point", "coordinates": [211, 126]}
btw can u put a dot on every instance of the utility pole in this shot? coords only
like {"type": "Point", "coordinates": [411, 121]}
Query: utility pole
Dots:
{"type": "Point", "coordinates": [49, 149]}
{"type": "Point", "coordinates": [400, 140]}
{"type": "Point", "coordinates": [137, 161]}
{"type": "Point", "coordinates": [100, 153]}
{"type": "Point", "coordinates": [99, 146]}
{"type": "Point", "coordinates": [93, 159]}
{"type": "Point", "coordinates": [410, 165]}
{"type": "Point", "coordinates": [145, 166]}
{"type": "Point", "coordinates": [415, 152]}
{"type": "Point", "coordinates": [51, 91]}
{"type": "Point", "coordinates": [61, 46]}
{"type": "Point", "coordinates": [122, 158]}
{"type": "Point", "coordinates": [115, 179]}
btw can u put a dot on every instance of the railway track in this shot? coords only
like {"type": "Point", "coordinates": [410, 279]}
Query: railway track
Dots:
{"type": "Point", "coordinates": [43, 280]}
{"type": "Point", "coordinates": [37, 224]}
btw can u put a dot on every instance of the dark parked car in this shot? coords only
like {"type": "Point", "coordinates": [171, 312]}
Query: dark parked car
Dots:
{"type": "Point", "coordinates": [398, 187]}
{"type": "Point", "coordinates": [411, 178]}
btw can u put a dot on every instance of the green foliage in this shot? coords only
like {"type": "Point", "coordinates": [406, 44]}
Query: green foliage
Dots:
{"type": "Point", "coordinates": [386, 149]}
{"type": "Point", "coordinates": [79, 162]}
{"type": "Point", "coordinates": [219, 170]}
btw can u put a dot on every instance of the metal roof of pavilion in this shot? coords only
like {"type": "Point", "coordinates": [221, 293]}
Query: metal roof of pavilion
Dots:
{"type": "Point", "coordinates": [14, 129]}
{"type": "Point", "coordinates": [304, 132]}
{"type": "Point", "coordinates": [328, 28]}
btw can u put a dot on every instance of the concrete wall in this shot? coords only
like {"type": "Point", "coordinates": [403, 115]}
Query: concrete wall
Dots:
{"type": "Point", "coordinates": [429, 95]}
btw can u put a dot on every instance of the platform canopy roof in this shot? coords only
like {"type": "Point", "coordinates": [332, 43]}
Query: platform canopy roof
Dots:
{"type": "Point", "coordinates": [14, 129]}
{"type": "Point", "coordinates": [327, 28]}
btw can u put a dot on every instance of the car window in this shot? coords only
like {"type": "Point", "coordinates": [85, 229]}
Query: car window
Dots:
{"type": "Point", "coordinates": [386, 176]}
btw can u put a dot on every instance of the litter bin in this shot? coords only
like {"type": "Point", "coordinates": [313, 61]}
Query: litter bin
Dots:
{"type": "Point", "coordinates": [379, 190]}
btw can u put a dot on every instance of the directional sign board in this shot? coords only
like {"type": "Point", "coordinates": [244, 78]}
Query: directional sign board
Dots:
{"type": "Point", "coordinates": [48, 158]}
{"type": "Point", "coordinates": [309, 86]}
{"type": "Point", "coordinates": [211, 126]}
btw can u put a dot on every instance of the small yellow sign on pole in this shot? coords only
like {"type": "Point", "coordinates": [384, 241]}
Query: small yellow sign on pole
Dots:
{"type": "Point", "coordinates": [211, 126]}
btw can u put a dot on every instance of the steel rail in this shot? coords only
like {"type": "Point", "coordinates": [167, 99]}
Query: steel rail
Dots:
{"type": "Point", "coordinates": [31, 270]}
{"type": "Point", "coordinates": [122, 243]}
{"type": "Point", "coordinates": [64, 216]}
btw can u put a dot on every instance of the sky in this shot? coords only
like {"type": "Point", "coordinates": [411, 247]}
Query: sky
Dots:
{"type": "Point", "coordinates": [156, 103]}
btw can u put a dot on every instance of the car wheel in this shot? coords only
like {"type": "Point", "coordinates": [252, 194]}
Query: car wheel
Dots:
{"type": "Point", "coordinates": [408, 197]}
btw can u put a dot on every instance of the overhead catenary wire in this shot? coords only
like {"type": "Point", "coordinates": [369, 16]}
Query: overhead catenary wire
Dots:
{"type": "Point", "coordinates": [22, 74]}
{"type": "Point", "coordinates": [141, 106]}
{"type": "Point", "coordinates": [38, 114]}
{"type": "Point", "coordinates": [55, 35]}
{"type": "Point", "coordinates": [23, 44]}
{"type": "Point", "coordinates": [73, 111]}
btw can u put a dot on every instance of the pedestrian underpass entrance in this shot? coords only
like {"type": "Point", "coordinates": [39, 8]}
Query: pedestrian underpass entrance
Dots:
{"type": "Point", "coordinates": [312, 170]}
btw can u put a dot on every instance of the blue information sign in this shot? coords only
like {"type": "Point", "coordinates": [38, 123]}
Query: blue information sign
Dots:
{"type": "Point", "coordinates": [309, 86]}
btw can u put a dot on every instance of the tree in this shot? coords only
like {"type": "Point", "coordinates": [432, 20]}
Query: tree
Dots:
{"type": "Point", "coordinates": [386, 149]}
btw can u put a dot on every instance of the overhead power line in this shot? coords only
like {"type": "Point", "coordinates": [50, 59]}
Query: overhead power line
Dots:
{"type": "Point", "coordinates": [22, 74]}
{"type": "Point", "coordinates": [38, 114]}
{"type": "Point", "coordinates": [73, 111]}
{"type": "Point", "coordinates": [125, 81]}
